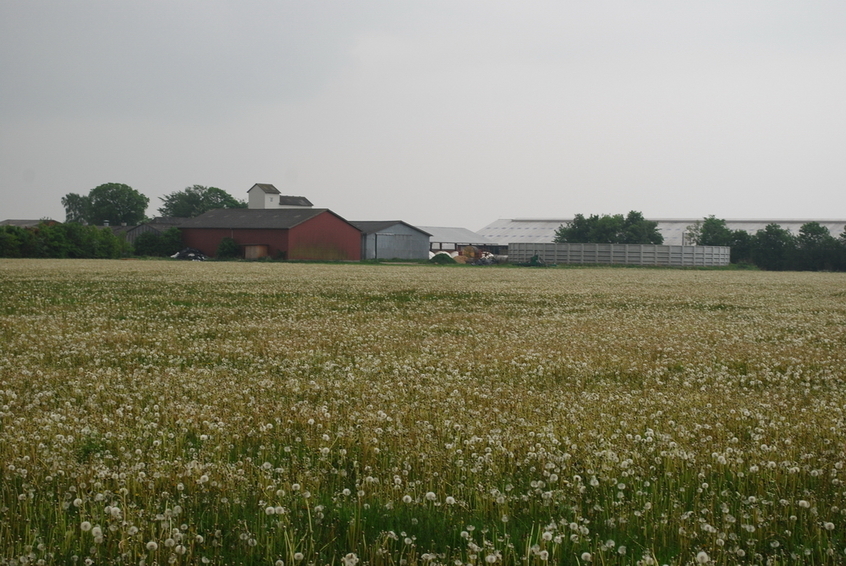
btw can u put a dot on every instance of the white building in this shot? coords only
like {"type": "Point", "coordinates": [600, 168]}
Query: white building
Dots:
{"type": "Point", "coordinates": [541, 230]}
{"type": "Point", "coordinates": [263, 195]}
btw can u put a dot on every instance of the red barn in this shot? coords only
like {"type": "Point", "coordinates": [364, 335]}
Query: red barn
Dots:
{"type": "Point", "coordinates": [286, 233]}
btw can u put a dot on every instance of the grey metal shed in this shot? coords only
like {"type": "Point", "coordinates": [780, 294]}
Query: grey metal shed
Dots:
{"type": "Point", "coordinates": [392, 239]}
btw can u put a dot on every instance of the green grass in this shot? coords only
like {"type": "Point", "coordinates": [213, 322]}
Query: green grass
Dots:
{"type": "Point", "coordinates": [415, 415]}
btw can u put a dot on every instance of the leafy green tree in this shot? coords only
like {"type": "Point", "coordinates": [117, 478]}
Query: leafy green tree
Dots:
{"type": "Point", "coordinates": [114, 203]}
{"type": "Point", "coordinates": [709, 232]}
{"type": "Point", "coordinates": [10, 241]}
{"type": "Point", "coordinates": [194, 201]}
{"type": "Point", "coordinates": [608, 229]}
{"type": "Point", "coordinates": [117, 203]}
{"type": "Point", "coordinates": [773, 248]}
{"type": "Point", "coordinates": [817, 249]}
{"type": "Point", "coordinates": [76, 208]}
{"type": "Point", "coordinates": [741, 246]}
{"type": "Point", "coordinates": [639, 230]}
{"type": "Point", "coordinates": [575, 231]}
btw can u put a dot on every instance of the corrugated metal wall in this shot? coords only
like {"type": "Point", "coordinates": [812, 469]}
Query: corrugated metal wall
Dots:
{"type": "Point", "coordinates": [622, 254]}
{"type": "Point", "coordinates": [397, 242]}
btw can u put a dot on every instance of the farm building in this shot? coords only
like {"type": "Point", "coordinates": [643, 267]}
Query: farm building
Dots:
{"type": "Point", "coordinates": [158, 225]}
{"type": "Point", "coordinates": [535, 230]}
{"type": "Point", "coordinates": [266, 196]}
{"type": "Point", "coordinates": [446, 239]}
{"type": "Point", "coordinates": [284, 233]}
{"type": "Point", "coordinates": [392, 239]}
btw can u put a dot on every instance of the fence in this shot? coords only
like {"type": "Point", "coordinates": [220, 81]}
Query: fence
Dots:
{"type": "Point", "coordinates": [623, 254]}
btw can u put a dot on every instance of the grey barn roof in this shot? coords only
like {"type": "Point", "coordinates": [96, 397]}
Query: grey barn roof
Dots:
{"type": "Point", "coordinates": [455, 235]}
{"type": "Point", "coordinates": [285, 200]}
{"type": "Point", "coordinates": [374, 226]}
{"type": "Point", "coordinates": [266, 187]}
{"type": "Point", "coordinates": [23, 223]}
{"type": "Point", "coordinates": [245, 218]}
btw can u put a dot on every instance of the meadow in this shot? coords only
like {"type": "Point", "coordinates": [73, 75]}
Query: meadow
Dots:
{"type": "Point", "coordinates": [158, 412]}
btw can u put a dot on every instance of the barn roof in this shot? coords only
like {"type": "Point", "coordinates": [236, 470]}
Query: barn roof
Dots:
{"type": "Point", "coordinates": [266, 187]}
{"type": "Point", "coordinates": [452, 235]}
{"type": "Point", "coordinates": [260, 218]}
{"type": "Point", "coordinates": [25, 223]}
{"type": "Point", "coordinates": [374, 226]}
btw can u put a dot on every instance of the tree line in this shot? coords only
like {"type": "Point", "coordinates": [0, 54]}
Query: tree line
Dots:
{"type": "Point", "coordinates": [70, 240]}
{"type": "Point", "coordinates": [117, 204]}
{"type": "Point", "coordinates": [83, 235]}
{"type": "Point", "coordinates": [775, 248]}
{"type": "Point", "coordinates": [771, 248]}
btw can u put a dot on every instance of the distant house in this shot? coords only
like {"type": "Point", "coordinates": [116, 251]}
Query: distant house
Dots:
{"type": "Point", "coordinates": [392, 239]}
{"type": "Point", "coordinates": [298, 232]}
{"type": "Point", "coordinates": [266, 196]}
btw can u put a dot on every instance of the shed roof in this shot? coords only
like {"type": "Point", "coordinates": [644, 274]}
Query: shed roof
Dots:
{"type": "Point", "coordinates": [266, 187]}
{"type": "Point", "coordinates": [286, 200]}
{"type": "Point", "coordinates": [374, 226]}
{"type": "Point", "coordinates": [455, 236]}
{"type": "Point", "coordinates": [25, 223]}
{"type": "Point", "coordinates": [259, 218]}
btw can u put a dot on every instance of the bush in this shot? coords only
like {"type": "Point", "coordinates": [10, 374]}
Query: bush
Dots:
{"type": "Point", "coordinates": [442, 259]}
{"type": "Point", "coordinates": [61, 241]}
{"type": "Point", "coordinates": [159, 244]}
{"type": "Point", "coordinates": [228, 249]}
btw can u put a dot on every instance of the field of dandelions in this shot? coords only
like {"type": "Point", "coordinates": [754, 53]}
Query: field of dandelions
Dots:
{"type": "Point", "coordinates": [157, 412]}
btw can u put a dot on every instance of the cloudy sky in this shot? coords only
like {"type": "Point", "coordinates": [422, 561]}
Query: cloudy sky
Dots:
{"type": "Point", "coordinates": [445, 113]}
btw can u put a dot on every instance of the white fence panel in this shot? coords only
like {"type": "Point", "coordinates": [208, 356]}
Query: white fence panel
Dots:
{"type": "Point", "coordinates": [621, 254]}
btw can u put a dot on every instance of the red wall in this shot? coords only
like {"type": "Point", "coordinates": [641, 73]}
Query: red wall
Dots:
{"type": "Point", "coordinates": [323, 237]}
{"type": "Point", "coordinates": [208, 239]}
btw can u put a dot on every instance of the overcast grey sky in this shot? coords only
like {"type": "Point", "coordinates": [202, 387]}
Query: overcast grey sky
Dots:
{"type": "Point", "coordinates": [437, 113]}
